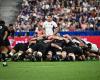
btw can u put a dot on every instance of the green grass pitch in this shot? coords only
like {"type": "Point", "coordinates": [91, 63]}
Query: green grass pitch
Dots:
{"type": "Point", "coordinates": [87, 70]}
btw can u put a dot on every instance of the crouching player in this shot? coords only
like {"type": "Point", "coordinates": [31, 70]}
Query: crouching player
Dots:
{"type": "Point", "coordinates": [57, 48]}
{"type": "Point", "coordinates": [4, 42]}
{"type": "Point", "coordinates": [92, 50]}
{"type": "Point", "coordinates": [18, 51]}
{"type": "Point", "coordinates": [40, 48]}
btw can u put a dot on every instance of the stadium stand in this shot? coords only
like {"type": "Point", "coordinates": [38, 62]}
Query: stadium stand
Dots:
{"type": "Point", "coordinates": [70, 15]}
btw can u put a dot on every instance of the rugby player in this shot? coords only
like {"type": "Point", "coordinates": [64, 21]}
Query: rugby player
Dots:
{"type": "Point", "coordinates": [4, 42]}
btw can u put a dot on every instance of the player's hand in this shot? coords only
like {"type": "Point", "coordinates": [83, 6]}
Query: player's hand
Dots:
{"type": "Point", "coordinates": [60, 48]}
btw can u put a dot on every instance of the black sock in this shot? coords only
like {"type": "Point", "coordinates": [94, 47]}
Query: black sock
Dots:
{"type": "Point", "coordinates": [3, 57]}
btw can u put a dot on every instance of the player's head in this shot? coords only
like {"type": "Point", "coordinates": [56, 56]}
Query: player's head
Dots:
{"type": "Point", "coordinates": [10, 25]}
{"type": "Point", "coordinates": [2, 23]}
{"type": "Point", "coordinates": [49, 18]}
{"type": "Point", "coordinates": [89, 45]}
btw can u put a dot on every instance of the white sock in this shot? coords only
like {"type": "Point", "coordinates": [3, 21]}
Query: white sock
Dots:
{"type": "Point", "coordinates": [11, 53]}
{"type": "Point", "coordinates": [20, 53]}
{"type": "Point", "coordinates": [4, 63]}
{"type": "Point", "coordinates": [39, 54]}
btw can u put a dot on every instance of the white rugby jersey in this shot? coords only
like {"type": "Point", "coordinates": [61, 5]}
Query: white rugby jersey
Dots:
{"type": "Point", "coordinates": [49, 26]}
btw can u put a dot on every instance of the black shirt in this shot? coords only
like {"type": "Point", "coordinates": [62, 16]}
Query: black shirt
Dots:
{"type": "Point", "coordinates": [2, 30]}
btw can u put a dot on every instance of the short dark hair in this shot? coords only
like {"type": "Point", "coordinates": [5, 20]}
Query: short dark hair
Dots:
{"type": "Point", "coordinates": [49, 15]}
{"type": "Point", "coordinates": [2, 22]}
{"type": "Point", "coordinates": [10, 24]}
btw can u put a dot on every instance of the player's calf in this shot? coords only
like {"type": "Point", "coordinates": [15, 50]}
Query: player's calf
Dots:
{"type": "Point", "coordinates": [39, 56]}
{"type": "Point", "coordinates": [71, 57]}
{"type": "Point", "coordinates": [49, 56]}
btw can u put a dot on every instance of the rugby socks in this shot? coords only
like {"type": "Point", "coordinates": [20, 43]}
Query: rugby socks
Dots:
{"type": "Point", "coordinates": [4, 59]}
{"type": "Point", "coordinates": [20, 53]}
{"type": "Point", "coordinates": [4, 64]}
{"type": "Point", "coordinates": [11, 53]}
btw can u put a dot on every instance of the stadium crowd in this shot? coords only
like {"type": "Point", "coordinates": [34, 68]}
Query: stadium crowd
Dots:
{"type": "Point", "coordinates": [70, 15]}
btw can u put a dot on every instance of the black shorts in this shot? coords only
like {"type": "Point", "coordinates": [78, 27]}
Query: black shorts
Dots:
{"type": "Point", "coordinates": [33, 47]}
{"type": "Point", "coordinates": [20, 47]}
{"type": "Point", "coordinates": [48, 47]}
{"type": "Point", "coordinates": [73, 49]}
{"type": "Point", "coordinates": [68, 49]}
{"type": "Point", "coordinates": [43, 47]}
{"type": "Point", "coordinates": [77, 50]}
{"type": "Point", "coordinates": [4, 42]}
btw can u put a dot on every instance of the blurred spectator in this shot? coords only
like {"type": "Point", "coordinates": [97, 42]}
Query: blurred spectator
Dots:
{"type": "Point", "coordinates": [11, 30]}
{"type": "Point", "coordinates": [98, 24]}
{"type": "Point", "coordinates": [71, 15]}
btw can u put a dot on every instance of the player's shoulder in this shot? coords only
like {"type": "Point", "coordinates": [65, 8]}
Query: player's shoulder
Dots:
{"type": "Point", "coordinates": [45, 22]}
{"type": "Point", "coordinates": [53, 22]}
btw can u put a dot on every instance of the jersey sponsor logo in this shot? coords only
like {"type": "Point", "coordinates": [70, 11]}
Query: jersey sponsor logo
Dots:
{"type": "Point", "coordinates": [0, 27]}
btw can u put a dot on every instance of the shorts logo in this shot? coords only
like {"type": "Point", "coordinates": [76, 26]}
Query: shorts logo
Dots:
{"type": "Point", "coordinates": [0, 27]}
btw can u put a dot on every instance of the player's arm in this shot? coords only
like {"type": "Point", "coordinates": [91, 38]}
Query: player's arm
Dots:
{"type": "Point", "coordinates": [57, 37]}
{"type": "Point", "coordinates": [32, 42]}
{"type": "Point", "coordinates": [44, 33]}
{"type": "Point", "coordinates": [33, 39]}
{"type": "Point", "coordinates": [56, 46]}
{"type": "Point", "coordinates": [47, 41]}
{"type": "Point", "coordinates": [5, 35]}
{"type": "Point", "coordinates": [56, 28]}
